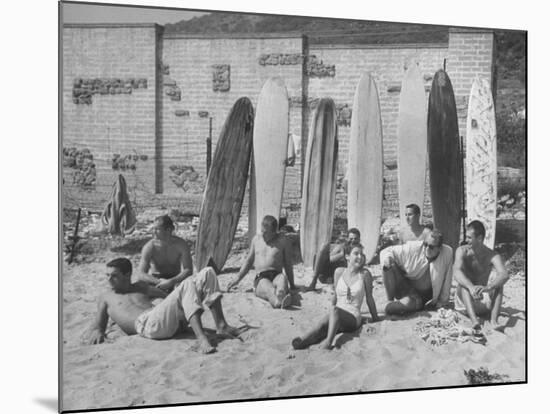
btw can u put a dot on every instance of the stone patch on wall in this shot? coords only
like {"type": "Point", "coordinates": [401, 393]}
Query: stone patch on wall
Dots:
{"type": "Point", "coordinates": [203, 114]}
{"type": "Point", "coordinates": [315, 67]}
{"type": "Point", "coordinates": [186, 178]}
{"type": "Point", "coordinates": [220, 78]}
{"type": "Point", "coordinates": [171, 88]}
{"type": "Point", "coordinates": [127, 162]}
{"type": "Point", "coordinates": [84, 89]}
{"type": "Point", "coordinates": [82, 163]}
{"type": "Point", "coordinates": [181, 112]}
{"type": "Point", "coordinates": [281, 59]}
{"type": "Point", "coordinates": [343, 113]}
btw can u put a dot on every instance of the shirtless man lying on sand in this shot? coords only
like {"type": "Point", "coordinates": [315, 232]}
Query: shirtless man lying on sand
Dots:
{"type": "Point", "coordinates": [165, 259]}
{"type": "Point", "coordinates": [129, 306]}
{"type": "Point", "coordinates": [269, 254]}
{"type": "Point", "coordinates": [480, 275]}
{"type": "Point", "coordinates": [417, 274]}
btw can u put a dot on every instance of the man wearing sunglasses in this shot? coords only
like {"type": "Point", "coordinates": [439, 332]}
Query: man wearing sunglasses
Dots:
{"type": "Point", "coordinates": [417, 274]}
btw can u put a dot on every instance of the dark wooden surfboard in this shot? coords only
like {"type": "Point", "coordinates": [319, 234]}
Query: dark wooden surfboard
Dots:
{"type": "Point", "coordinates": [319, 185]}
{"type": "Point", "coordinates": [224, 192]}
{"type": "Point", "coordinates": [443, 155]}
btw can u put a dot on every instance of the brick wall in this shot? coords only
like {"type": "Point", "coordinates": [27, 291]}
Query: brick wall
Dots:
{"type": "Point", "coordinates": [113, 123]}
{"type": "Point", "coordinates": [190, 63]}
{"type": "Point", "coordinates": [386, 65]}
{"type": "Point", "coordinates": [163, 122]}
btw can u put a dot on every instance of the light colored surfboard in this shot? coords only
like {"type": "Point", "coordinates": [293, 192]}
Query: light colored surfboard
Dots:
{"type": "Point", "coordinates": [252, 201]}
{"type": "Point", "coordinates": [225, 186]}
{"type": "Point", "coordinates": [270, 150]}
{"type": "Point", "coordinates": [319, 183]}
{"type": "Point", "coordinates": [365, 173]}
{"type": "Point", "coordinates": [412, 139]}
{"type": "Point", "coordinates": [443, 155]}
{"type": "Point", "coordinates": [481, 159]}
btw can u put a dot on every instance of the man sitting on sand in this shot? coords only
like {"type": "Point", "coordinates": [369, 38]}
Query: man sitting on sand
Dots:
{"type": "Point", "coordinates": [328, 260]}
{"type": "Point", "coordinates": [166, 256]}
{"type": "Point", "coordinates": [417, 274]}
{"type": "Point", "coordinates": [481, 275]}
{"type": "Point", "coordinates": [269, 254]}
{"type": "Point", "coordinates": [129, 306]}
{"type": "Point", "coordinates": [414, 230]}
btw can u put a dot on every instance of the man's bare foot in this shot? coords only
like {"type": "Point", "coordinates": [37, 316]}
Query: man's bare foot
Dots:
{"type": "Point", "coordinates": [205, 347]}
{"type": "Point", "coordinates": [494, 326]}
{"type": "Point", "coordinates": [326, 345]}
{"type": "Point", "coordinates": [311, 286]}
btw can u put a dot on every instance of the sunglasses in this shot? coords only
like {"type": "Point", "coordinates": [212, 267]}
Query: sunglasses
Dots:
{"type": "Point", "coordinates": [430, 246]}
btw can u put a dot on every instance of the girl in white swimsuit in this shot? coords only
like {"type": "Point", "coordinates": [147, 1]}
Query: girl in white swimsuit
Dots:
{"type": "Point", "coordinates": [351, 285]}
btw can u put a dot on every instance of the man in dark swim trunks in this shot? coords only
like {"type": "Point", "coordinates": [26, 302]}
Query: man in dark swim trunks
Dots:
{"type": "Point", "coordinates": [269, 254]}
{"type": "Point", "coordinates": [417, 274]}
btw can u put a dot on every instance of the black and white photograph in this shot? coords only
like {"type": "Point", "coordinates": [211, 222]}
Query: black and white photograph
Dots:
{"type": "Point", "coordinates": [260, 206]}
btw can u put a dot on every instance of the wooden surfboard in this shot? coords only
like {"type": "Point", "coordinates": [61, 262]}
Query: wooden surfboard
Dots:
{"type": "Point", "coordinates": [412, 141]}
{"type": "Point", "coordinates": [481, 159]}
{"type": "Point", "coordinates": [365, 173]}
{"type": "Point", "coordinates": [270, 150]}
{"type": "Point", "coordinates": [225, 186]}
{"type": "Point", "coordinates": [443, 155]}
{"type": "Point", "coordinates": [319, 184]}
{"type": "Point", "coordinates": [252, 201]}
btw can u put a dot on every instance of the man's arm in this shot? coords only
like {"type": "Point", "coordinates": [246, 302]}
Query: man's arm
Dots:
{"type": "Point", "coordinates": [445, 292]}
{"type": "Point", "coordinates": [337, 274]}
{"type": "Point", "coordinates": [337, 254]}
{"type": "Point", "coordinates": [96, 332]}
{"type": "Point", "coordinates": [460, 277]}
{"type": "Point", "coordinates": [367, 280]}
{"type": "Point", "coordinates": [149, 290]}
{"type": "Point", "coordinates": [502, 274]}
{"type": "Point", "coordinates": [247, 265]}
{"type": "Point", "coordinates": [145, 265]}
{"type": "Point", "coordinates": [186, 268]}
{"type": "Point", "coordinates": [287, 265]}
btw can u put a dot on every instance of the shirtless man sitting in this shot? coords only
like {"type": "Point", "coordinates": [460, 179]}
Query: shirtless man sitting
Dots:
{"type": "Point", "coordinates": [414, 230]}
{"type": "Point", "coordinates": [269, 254]}
{"type": "Point", "coordinates": [166, 256]}
{"type": "Point", "coordinates": [417, 274]}
{"type": "Point", "coordinates": [129, 306]}
{"type": "Point", "coordinates": [328, 260]}
{"type": "Point", "coordinates": [481, 275]}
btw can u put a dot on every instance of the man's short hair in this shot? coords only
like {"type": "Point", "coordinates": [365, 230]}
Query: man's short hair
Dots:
{"type": "Point", "coordinates": [350, 246]}
{"type": "Point", "coordinates": [437, 236]}
{"type": "Point", "coordinates": [355, 231]}
{"type": "Point", "coordinates": [270, 221]}
{"type": "Point", "coordinates": [122, 264]}
{"type": "Point", "coordinates": [415, 208]}
{"type": "Point", "coordinates": [478, 228]}
{"type": "Point", "coordinates": [166, 222]}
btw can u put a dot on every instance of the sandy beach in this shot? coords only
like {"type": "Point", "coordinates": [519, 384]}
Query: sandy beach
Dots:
{"type": "Point", "coordinates": [386, 355]}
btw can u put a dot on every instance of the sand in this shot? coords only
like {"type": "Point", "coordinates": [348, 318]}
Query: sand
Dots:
{"type": "Point", "coordinates": [387, 355]}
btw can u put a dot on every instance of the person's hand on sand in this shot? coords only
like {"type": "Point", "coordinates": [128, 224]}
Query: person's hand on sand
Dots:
{"type": "Point", "coordinates": [166, 284]}
{"type": "Point", "coordinates": [93, 337]}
